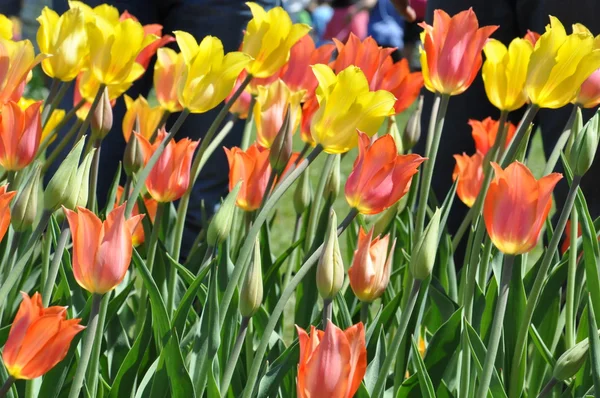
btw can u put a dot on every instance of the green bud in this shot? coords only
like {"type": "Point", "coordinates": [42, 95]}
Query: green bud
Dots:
{"type": "Point", "coordinates": [251, 295]}
{"type": "Point", "coordinates": [412, 133]}
{"type": "Point", "coordinates": [303, 193]}
{"type": "Point", "coordinates": [25, 203]}
{"type": "Point", "coordinates": [102, 118]}
{"type": "Point", "coordinates": [395, 133]}
{"type": "Point", "coordinates": [385, 220]}
{"type": "Point", "coordinates": [281, 150]}
{"type": "Point", "coordinates": [575, 128]}
{"type": "Point", "coordinates": [79, 197]}
{"type": "Point", "coordinates": [571, 361]}
{"type": "Point", "coordinates": [332, 188]}
{"type": "Point", "coordinates": [61, 185]}
{"type": "Point", "coordinates": [220, 225]}
{"type": "Point", "coordinates": [423, 257]}
{"type": "Point", "coordinates": [330, 269]}
{"type": "Point", "coordinates": [585, 144]}
{"type": "Point", "coordinates": [133, 158]}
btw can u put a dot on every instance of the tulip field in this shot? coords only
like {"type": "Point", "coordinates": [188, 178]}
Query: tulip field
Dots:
{"type": "Point", "coordinates": [330, 269]}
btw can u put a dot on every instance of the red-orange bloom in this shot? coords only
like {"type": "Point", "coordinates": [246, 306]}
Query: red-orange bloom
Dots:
{"type": "Point", "coordinates": [137, 236]}
{"type": "Point", "coordinates": [39, 338]}
{"type": "Point", "coordinates": [170, 177]}
{"type": "Point", "coordinates": [484, 133]}
{"type": "Point", "coordinates": [452, 51]}
{"type": "Point", "coordinates": [380, 177]}
{"type": "Point", "coordinates": [101, 250]}
{"type": "Point", "coordinates": [398, 80]}
{"type": "Point", "coordinates": [531, 36]}
{"type": "Point", "coordinates": [308, 110]}
{"type": "Point", "coordinates": [516, 206]}
{"type": "Point", "coordinates": [241, 106]}
{"type": "Point", "coordinates": [253, 169]}
{"type": "Point", "coordinates": [469, 171]}
{"type": "Point", "coordinates": [589, 93]}
{"type": "Point", "coordinates": [20, 135]}
{"type": "Point", "coordinates": [148, 52]}
{"type": "Point", "coordinates": [332, 363]}
{"type": "Point", "coordinates": [370, 271]}
{"type": "Point", "coordinates": [5, 198]}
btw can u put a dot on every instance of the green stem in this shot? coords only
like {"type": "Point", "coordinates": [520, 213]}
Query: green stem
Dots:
{"type": "Point", "coordinates": [88, 117]}
{"type": "Point", "coordinates": [7, 266]}
{"type": "Point", "coordinates": [86, 348]}
{"type": "Point", "coordinates": [485, 264]}
{"type": "Point", "coordinates": [302, 154]}
{"type": "Point", "coordinates": [497, 325]}
{"type": "Point", "coordinates": [171, 289]}
{"type": "Point", "coordinates": [280, 306]}
{"type": "Point", "coordinates": [61, 145]}
{"type": "Point", "coordinates": [536, 290]}
{"type": "Point", "coordinates": [561, 142]}
{"type": "Point", "coordinates": [270, 183]}
{"type": "Point", "coordinates": [509, 155]}
{"type": "Point", "coordinates": [248, 126]}
{"type": "Point", "coordinates": [548, 388]}
{"type": "Point", "coordinates": [6, 386]}
{"type": "Point", "coordinates": [93, 371]}
{"type": "Point", "coordinates": [393, 350]}
{"type": "Point", "coordinates": [570, 307]}
{"type": "Point", "coordinates": [294, 256]}
{"type": "Point", "coordinates": [234, 356]}
{"type": "Point", "coordinates": [318, 197]}
{"type": "Point", "coordinates": [52, 92]}
{"type": "Point", "coordinates": [364, 312]}
{"type": "Point", "coordinates": [47, 112]}
{"type": "Point", "coordinates": [327, 312]}
{"type": "Point", "coordinates": [92, 199]}
{"type": "Point", "coordinates": [63, 239]}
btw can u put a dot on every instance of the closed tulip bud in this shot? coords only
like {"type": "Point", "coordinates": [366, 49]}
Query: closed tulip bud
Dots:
{"type": "Point", "coordinates": [332, 189]}
{"type": "Point", "coordinates": [251, 295]}
{"type": "Point", "coordinates": [412, 133]}
{"type": "Point", "coordinates": [220, 226]}
{"type": "Point", "coordinates": [25, 204]}
{"type": "Point", "coordinates": [133, 159]}
{"type": "Point", "coordinates": [79, 197]}
{"type": "Point", "coordinates": [423, 257]}
{"type": "Point", "coordinates": [61, 186]}
{"type": "Point", "coordinates": [330, 270]}
{"type": "Point", "coordinates": [394, 131]}
{"type": "Point", "coordinates": [102, 118]}
{"type": "Point", "coordinates": [281, 149]}
{"type": "Point", "coordinates": [303, 193]}
{"type": "Point", "coordinates": [576, 126]}
{"type": "Point", "coordinates": [584, 147]}
{"type": "Point", "coordinates": [571, 361]}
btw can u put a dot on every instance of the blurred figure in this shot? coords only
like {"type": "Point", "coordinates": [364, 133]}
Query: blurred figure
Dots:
{"type": "Point", "coordinates": [386, 26]}
{"type": "Point", "coordinates": [349, 16]}
{"type": "Point", "coordinates": [321, 13]}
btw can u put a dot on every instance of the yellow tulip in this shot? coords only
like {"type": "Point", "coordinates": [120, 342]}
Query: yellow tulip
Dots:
{"type": "Point", "coordinates": [559, 64]}
{"type": "Point", "coordinates": [209, 73]}
{"type": "Point", "coordinates": [55, 118]}
{"type": "Point", "coordinates": [504, 73]}
{"type": "Point", "coordinates": [6, 27]}
{"type": "Point", "coordinates": [345, 106]}
{"type": "Point", "coordinates": [65, 38]}
{"type": "Point", "coordinates": [167, 69]}
{"type": "Point", "coordinates": [17, 58]}
{"type": "Point", "coordinates": [268, 39]}
{"type": "Point", "coordinates": [88, 86]}
{"type": "Point", "coordinates": [149, 117]}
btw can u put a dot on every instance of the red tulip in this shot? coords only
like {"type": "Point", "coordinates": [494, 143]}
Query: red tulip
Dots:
{"type": "Point", "coordinates": [137, 236]}
{"type": "Point", "coordinates": [253, 169]}
{"type": "Point", "coordinates": [469, 171]}
{"type": "Point", "coordinates": [484, 133]}
{"type": "Point", "coordinates": [5, 198]}
{"type": "Point", "coordinates": [20, 134]}
{"type": "Point", "coordinates": [308, 110]}
{"type": "Point", "coordinates": [398, 80]}
{"type": "Point", "coordinates": [589, 93]}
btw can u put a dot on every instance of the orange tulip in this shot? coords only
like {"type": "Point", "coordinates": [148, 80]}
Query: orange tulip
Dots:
{"type": "Point", "coordinates": [139, 110]}
{"type": "Point", "coordinates": [370, 271]}
{"type": "Point", "coordinates": [332, 363]}
{"type": "Point", "coordinates": [101, 250]}
{"type": "Point", "coordinates": [39, 338]}
{"type": "Point", "coordinates": [137, 236]}
{"type": "Point", "coordinates": [170, 176]}
{"type": "Point", "coordinates": [20, 134]}
{"type": "Point", "coordinates": [484, 133]}
{"type": "Point", "coordinates": [241, 106]}
{"type": "Point", "coordinates": [308, 110]}
{"type": "Point", "coordinates": [516, 206]}
{"type": "Point", "coordinates": [17, 59]}
{"type": "Point", "coordinates": [531, 36]}
{"type": "Point", "coordinates": [380, 177]}
{"type": "Point", "coordinates": [5, 198]}
{"type": "Point", "coordinates": [253, 169]}
{"type": "Point", "coordinates": [589, 93]}
{"type": "Point", "coordinates": [469, 171]}
{"type": "Point", "coordinates": [167, 70]}
{"type": "Point", "coordinates": [398, 80]}
{"type": "Point", "coordinates": [451, 56]}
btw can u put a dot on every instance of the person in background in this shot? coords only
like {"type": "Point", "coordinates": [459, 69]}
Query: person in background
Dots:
{"type": "Point", "coordinates": [386, 26]}
{"type": "Point", "coordinates": [321, 13]}
{"type": "Point", "coordinates": [349, 16]}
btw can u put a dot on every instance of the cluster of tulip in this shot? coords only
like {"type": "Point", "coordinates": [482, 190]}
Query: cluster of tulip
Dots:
{"type": "Point", "coordinates": [404, 322]}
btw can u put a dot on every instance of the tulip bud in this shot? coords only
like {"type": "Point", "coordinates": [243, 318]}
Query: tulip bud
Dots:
{"type": "Point", "coordinates": [102, 118]}
{"type": "Point", "coordinates": [220, 225]}
{"type": "Point", "coordinates": [395, 133]}
{"type": "Point", "coordinates": [60, 187]}
{"type": "Point", "coordinates": [332, 189]}
{"type": "Point", "coordinates": [584, 147]}
{"type": "Point", "coordinates": [281, 150]}
{"type": "Point", "coordinates": [25, 204]}
{"type": "Point", "coordinates": [133, 159]}
{"type": "Point", "coordinates": [330, 270]}
{"type": "Point", "coordinates": [423, 257]}
{"type": "Point", "coordinates": [79, 197]}
{"type": "Point", "coordinates": [576, 127]}
{"type": "Point", "coordinates": [251, 294]}
{"type": "Point", "coordinates": [385, 220]}
{"type": "Point", "coordinates": [412, 133]}
{"type": "Point", "coordinates": [571, 361]}
{"type": "Point", "coordinates": [303, 193]}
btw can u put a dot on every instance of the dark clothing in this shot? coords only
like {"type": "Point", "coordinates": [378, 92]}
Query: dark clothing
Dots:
{"type": "Point", "coordinates": [342, 3]}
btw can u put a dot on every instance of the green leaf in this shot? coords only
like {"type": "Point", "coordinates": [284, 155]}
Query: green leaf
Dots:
{"type": "Point", "coordinates": [112, 192]}
{"type": "Point", "coordinates": [142, 391]}
{"type": "Point", "coordinates": [375, 365]}
{"type": "Point", "coordinates": [288, 360]}
{"type": "Point", "coordinates": [594, 346]}
{"type": "Point", "coordinates": [186, 302]}
{"type": "Point", "coordinates": [541, 346]}
{"type": "Point", "coordinates": [344, 319]}
{"type": "Point", "coordinates": [424, 379]}
{"type": "Point", "coordinates": [179, 378]}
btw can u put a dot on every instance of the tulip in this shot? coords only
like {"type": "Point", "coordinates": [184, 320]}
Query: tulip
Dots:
{"type": "Point", "coordinates": [151, 205]}
{"type": "Point", "coordinates": [65, 38]}
{"type": "Point", "coordinates": [451, 55]}
{"type": "Point", "coordinates": [86, 88]}
{"type": "Point", "coordinates": [25, 205]}
{"type": "Point", "coordinates": [17, 60]}
{"type": "Point", "coordinates": [154, 34]}
{"type": "Point", "coordinates": [167, 69]}
{"type": "Point", "coordinates": [7, 28]}
{"type": "Point", "coordinates": [588, 95]}
{"type": "Point", "coordinates": [170, 177]}
{"type": "Point", "coordinates": [308, 110]}
{"type": "Point", "coordinates": [101, 250]}
{"type": "Point", "coordinates": [567, 242]}
{"type": "Point", "coordinates": [345, 105]}
{"type": "Point", "coordinates": [102, 117]}
{"type": "Point", "coordinates": [569, 363]}
{"type": "Point", "coordinates": [422, 258]}
{"type": "Point", "coordinates": [379, 177]}
{"type": "Point", "coordinates": [531, 37]}
{"type": "Point", "coordinates": [371, 267]}
{"type": "Point", "coordinates": [398, 80]}
{"type": "Point", "coordinates": [332, 363]}
{"type": "Point", "coordinates": [252, 167]}
{"type": "Point", "coordinates": [330, 268]}
{"type": "Point", "coordinates": [559, 65]}
{"type": "Point", "coordinates": [516, 206]}
{"type": "Point", "coordinates": [504, 73]}
{"type": "Point", "coordinates": [5, 199]}
{"type": "Point", "coordinates": [141, 117]}
{"type": "Point", "coordinates": [270, 108]}
{"type": "Point", "coordinates": [412, 132]}
{"type": "Point", "coordinates": [484, 133]}
{"type": "Point", "coordinates": [53, 121]}
{"type": "Point", "coordinates": [20, 134]}
{"type": "Point", "coordinates": [469, 172]}
{"type": "Point", "coordinates": [268, 39]}
{"type": "Point", "coordinates": [241, 106]}
{"type": "Point", "coordinates": [251, 293]}
{"type": "Point", "coordinates": [39, 338]}
{"type": "Point", "coordinates": [133, 158]}
{"type": "Point", "coordinates": [222, 222]}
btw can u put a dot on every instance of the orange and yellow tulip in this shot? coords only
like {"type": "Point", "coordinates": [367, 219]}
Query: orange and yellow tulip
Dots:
{"type": "Point", "coordinates": [270, 108]}
{"type": "Point", "coordinates": [380, 177]}
{"type": "Point", "coordinates": [170, 177]}
{"type": "Point", "coordinates": [137, 236]}
{"type": "Point", "coordinates": [308, 110]}
{"type": "Point", "coordinates": [167, 69]}
{"type": "Point", "coordinates": [588, 95]}
{"type": "Point", "coordinates": [20, 134]}
{"type": "Point", "coordinates": [531, 37]}
{"type": "Point", "coordinates": [469, 171]}
{"type": "Point", "coordinates": [241, 106]}
{"type": "Point", "coordinates": [516, 207]}
{"type": "Point", "coordinates": [371, 267]}
{"type": "Point", "coordinates": [139, 110]}
{"type": "Point", "coordinates": [252, 167]}
{"type": "Point", "coordinates": [55, 118]}
{"type": "Point", "coordinates": [400, 81]}
{"type": "Point", "coordinates": [5, 198]}
{"type": "Point", "coordinates": [39, 338]}
{"type": "Point", "coordinates": [332, 363]}
{"type": "Point", "coordinates": [17, 59]}
{"type": "Point", "coordinates": [484, 133]}
{"type": "Point", "coordinates": [101, 250]}
{"type": "Point", "coordinates": [451, 55]}
{"type": "Point", "coordinates": [156, 38]}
